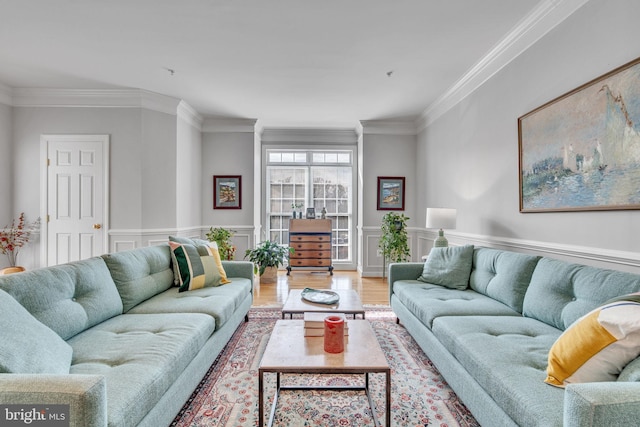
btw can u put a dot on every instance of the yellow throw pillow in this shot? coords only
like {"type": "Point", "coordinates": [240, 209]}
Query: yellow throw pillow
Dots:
{"type": "Point", "coordinates": [213, 250]}
{"type": "Point", "coordinates": [598, 345]}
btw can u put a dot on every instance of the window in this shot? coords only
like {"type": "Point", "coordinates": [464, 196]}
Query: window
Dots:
{"type": "Point", "coordinates": [298, 179]}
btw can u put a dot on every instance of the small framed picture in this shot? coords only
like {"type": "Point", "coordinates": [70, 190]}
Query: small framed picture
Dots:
{"type": "Point", "coordinates": [390, 193]}
{"type": "Point", "coordinates": [311, 213]}
{"type": "Point", "coordinates": [227, 192]}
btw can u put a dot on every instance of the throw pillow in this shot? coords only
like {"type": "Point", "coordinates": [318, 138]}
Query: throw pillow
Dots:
{"type": "Point", "coordinates": [449, 267]}
{"type": "Point", "coordinates": [198, 243]}
{"type": "Point", "coordinates": [597, 346]}
{"type": "Point", "coordinates": [183, 240]}
{"type": "Point", "coordinates": [27, 346]}
{"type": "Point", "coordinates": [213, 251]}
{"type": "Point", "coordinates": [197, 267]}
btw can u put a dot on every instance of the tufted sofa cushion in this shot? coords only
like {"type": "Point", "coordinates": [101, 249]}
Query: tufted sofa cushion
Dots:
{"type": "Point", "coordinates": [501, 275]}
{"type": "Point", "coordinates": [141, 356]}
{"type": "Point", "coordinates": [508, 359]}
{"type": "Point", "coordinates": [220, 302]}
{"type": "Point", "coordinates": [560, 293]}
{"type": "Point", "coordinates": [428, 302]}
{"type": "Point", "coordinates": [140, 273]}
{"type": "Point", "coordinates": [67, 298]}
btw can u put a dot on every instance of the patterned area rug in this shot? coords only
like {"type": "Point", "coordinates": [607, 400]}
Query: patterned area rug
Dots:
{"type": "Point", "coordinates": [228, 394]}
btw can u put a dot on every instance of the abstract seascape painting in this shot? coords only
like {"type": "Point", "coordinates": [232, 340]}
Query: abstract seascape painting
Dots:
{"type": "Point", "coordinates": [581, 151]}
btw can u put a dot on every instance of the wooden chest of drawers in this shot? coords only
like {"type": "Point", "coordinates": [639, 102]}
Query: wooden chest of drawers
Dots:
{"type": "Point", "coordinates": [311, 241]}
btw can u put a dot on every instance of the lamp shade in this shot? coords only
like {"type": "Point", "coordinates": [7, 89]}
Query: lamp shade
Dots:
{"type": "Point", "coordinates": [442, 218]}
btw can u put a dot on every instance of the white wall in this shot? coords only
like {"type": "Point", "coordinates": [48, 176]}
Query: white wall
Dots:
{"type": "Point", "coordinates": [469, 156]}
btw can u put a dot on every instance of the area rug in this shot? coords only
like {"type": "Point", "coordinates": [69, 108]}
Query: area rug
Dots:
{"type": "Point", "coordinates": [228, 394]}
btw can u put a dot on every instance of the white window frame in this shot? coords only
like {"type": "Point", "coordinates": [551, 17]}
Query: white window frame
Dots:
{"type": "Point", "coordinates": [308, 163]}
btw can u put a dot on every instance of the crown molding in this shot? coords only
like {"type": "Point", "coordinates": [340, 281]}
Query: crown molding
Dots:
{"type": "Point", "coordinates": [389, 127]}
{"type": "Point", "coordinates": [307, 135]}
{"type": "Point", "coordinates": [6, 95]}
{"type": "Point", "coordinates": [187, 113]}
{"type": "Point", "coordinates": [543, 18]}
{"type": "Point", "coordinates": [109, 98]}
{"type": "Point", "coordinates": [157, 102]}
{"type": "Point", "coordinates": [228, 124]}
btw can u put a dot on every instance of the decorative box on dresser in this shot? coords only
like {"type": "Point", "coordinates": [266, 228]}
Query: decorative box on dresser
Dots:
{"type": "Point", "coordinates": [311, 241]}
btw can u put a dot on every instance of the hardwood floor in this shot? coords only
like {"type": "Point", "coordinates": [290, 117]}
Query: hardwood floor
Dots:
{"type": "Point", "coordinates": [372, 290]}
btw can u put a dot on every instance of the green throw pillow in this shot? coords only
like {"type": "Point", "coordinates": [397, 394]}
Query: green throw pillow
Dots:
{"type": "Point", "coordinates": [27, 346]}
{"type": "Point", "coordinates": [449, 267]}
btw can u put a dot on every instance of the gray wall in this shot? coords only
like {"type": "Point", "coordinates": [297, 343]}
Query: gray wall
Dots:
{"type": "Point", "coordinates": [143, 166]}
{"type": "Point", "coordinates": [386, 154]}
{"type": "Point", "coordinates": [6, 162]}
{"type": "Point", "coordinates": [157, 171]}
{"type": "Point", "coordinates": [229, 153]}
{"type": "Point", "coordinates": [470, 154]}
{"type": "Point", "coordinates": [188, 174]}
{"type": "Point", "coordinates": [124, 127]}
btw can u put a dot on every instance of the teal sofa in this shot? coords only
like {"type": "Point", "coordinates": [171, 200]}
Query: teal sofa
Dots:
{"type": "Point", "coordinates": [491, 340]}
{"type": "Point", "coordinates": [113, 338]}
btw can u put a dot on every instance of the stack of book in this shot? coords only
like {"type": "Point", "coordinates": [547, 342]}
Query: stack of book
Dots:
{"type": "Point", "coordinates": [314, 323]}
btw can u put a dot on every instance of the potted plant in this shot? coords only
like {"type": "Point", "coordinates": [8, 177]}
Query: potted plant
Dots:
{"type": "Point", "coordinates": [267, 257]}
{"type": "Point", "coordinates": [295, 206]}
{"type": "Point", "coordinates": [393, 242]}
{"type": "Point", "coordinates": [13, 238]}
{"type": "Point", "coordinates": [222, 237]}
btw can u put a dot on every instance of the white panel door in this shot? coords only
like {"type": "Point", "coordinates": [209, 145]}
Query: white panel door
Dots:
{"type": "Point", "coordinates": [76, 189]}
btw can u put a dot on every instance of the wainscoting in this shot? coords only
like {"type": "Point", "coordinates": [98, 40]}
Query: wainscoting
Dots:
{"type": "Point", "coordinates": [370, 263]}
{"type": "Point", "coordinates": [421, 242]}
{"type": "Point", "coordinates": [122, 240]}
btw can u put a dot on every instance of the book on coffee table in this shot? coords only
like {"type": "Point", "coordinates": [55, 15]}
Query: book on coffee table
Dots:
{"type": "Point", "coordinates": [314, 323]}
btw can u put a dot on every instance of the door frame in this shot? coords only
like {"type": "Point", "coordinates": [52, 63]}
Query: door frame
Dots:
{"type": "Point", "coordinates": [44, 186]}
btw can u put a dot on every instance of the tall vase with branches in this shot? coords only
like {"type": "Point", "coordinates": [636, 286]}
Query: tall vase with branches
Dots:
{"type": "Point", "coordinates": [14, 237]}
{"type": "Point", "coordinates": [394, 242]}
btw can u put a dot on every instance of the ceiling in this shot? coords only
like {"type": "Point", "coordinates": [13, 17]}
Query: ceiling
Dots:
{"type": "Point", "coordinates": [274, 60]}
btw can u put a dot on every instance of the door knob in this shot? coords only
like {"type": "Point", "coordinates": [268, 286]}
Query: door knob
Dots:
{"type": "Point", "coordinates": [97, 226]}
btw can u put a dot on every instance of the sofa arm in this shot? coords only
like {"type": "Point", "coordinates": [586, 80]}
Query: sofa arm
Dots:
{"type": "Point", "coordinates": [403, 271]}
{"type": "Point", "coordinates": [238, 269]}
{"type": "Point", "coordinates": [602, 403]}
{"type": "Point", "coordinates": [86, 395]}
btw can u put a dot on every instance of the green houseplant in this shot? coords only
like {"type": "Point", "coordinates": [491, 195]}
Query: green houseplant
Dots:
{"type": "Point", "coordinates": [393, 242]}
{"type": "Point", "coordinates": [267, 257]}
{"type": "Point", "coordinates": [222, 237]}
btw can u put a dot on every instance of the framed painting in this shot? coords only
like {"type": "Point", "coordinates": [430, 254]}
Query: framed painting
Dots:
{"type": "Point", "coordinates": [390, 193]}
{"type": "Point", "coordinates": [581, 151]}
{"type": "Point", "coordinates": [227, 192]}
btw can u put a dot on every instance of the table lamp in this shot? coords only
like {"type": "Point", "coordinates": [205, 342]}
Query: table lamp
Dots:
{"type": "Point", "coordinates": [441, 218]}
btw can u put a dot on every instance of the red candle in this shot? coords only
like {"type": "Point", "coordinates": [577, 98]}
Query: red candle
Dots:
{"type": "Point", "coordinates": [333, 334]}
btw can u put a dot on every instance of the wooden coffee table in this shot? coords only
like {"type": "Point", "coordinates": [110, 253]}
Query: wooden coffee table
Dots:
{"type": "Point", "coordinates": [349, 304]}
{"type": "Point", "coordinates": [290, 352]}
